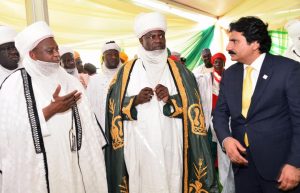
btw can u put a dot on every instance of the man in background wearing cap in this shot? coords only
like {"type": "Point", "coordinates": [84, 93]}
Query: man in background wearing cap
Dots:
{"type": "Point", "coordinates": [9, 56]}
{"type": "Point", "coordinates": [99, 83]}
{"type": "Point", "coordinates": [207, 67]}
{"type": "Point", "coordinates": [158, 141]}
{"type": "Point", "coordinates": [67, 60]}
{"type": "Point", "coordinates": [293, 28]}
{"type": "Point", "coordinates": [55, 146]}
{"type": "Point", "coordinates": [209, 86]}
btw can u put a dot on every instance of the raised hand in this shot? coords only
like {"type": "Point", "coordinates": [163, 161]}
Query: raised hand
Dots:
{"type": "Point", "coordinates": [61, 103]}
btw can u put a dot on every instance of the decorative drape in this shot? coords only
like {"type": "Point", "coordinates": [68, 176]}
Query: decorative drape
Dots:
{"type": "Point", "coordinates": [193, 47]}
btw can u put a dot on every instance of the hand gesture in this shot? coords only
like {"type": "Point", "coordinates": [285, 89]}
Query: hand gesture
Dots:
{"type": "Point", "coordinates": [144, 96]}
{"type": "Point", "coordinates": [162, 93]}
{"type": "Point", "coordinates": [234, 151]}
{"type": "Point", "coordinates": [61, 103]}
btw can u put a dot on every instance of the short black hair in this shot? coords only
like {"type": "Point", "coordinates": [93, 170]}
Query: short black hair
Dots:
{"type": "Point", "coordinates": [90, 68]}
{"type": "Point", "coordinates": [253, 29]}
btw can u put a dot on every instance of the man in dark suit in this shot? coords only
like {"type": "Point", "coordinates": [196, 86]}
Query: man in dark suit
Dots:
{"type": "Point", "coordinates": [261, 95]}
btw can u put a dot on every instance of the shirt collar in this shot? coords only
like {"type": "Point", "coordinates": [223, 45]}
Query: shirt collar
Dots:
{"type": "Point", "coordinates": [257, 63]}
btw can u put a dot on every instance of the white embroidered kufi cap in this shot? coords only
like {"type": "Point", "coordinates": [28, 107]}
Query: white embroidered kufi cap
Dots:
{"type": "Point", "coordinates": [63, 50]}
{"type": "Point", "coordinates": [146, 22]}
{"type": "Point", "coordinates": [7, 34]}
{"type": "Point", "coordinates": [31, 36]}
{"type": "Point", "coordinates": [293, 28]}
{"type": "Point", "coordinates": [111, 45]}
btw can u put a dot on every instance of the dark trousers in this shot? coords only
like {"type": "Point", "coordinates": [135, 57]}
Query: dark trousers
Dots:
{"type": "Point", "coordinates": [248, 180]}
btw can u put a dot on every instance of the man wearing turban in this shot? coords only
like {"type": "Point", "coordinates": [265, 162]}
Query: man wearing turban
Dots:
{"type": "Point", "coordinates": [67, 60]}
{"type": "Point", "coordinates": [99, 83]}
{"type": "Point", "coordinates": [155, 123]}
{"type": "Point", "coordinates": [50, 140]}
{"type": "Point", "coordinates": [9, 55]}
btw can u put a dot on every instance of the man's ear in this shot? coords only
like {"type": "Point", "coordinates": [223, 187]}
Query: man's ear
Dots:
{"type": "Point", "coordinates": [141, 40]}
{"type": "Point", "coordinates": [32, 55]}
{"type": "Point", "coordinates": [256, 45]}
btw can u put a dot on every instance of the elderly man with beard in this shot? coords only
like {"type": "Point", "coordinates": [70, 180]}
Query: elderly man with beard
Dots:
{"type": "Point", "coordinates": [99, 83]}
{"type": "Point", "coordinates": [55, 146]}
{"type": "Point", "coordinates": [155, 123]}
{"type": "Point", "coordinates": [9, 55]}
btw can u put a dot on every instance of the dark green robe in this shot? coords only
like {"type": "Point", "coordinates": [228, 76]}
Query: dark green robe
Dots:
{"type": "Point", "coordinates": [198, 167]}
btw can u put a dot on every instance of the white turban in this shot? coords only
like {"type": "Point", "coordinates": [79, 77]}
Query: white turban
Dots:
{"type": "Point", "coordinates": [7, 34]}
{"type": "Point", "coordinates": [31, 36]}
{"type": "Point", "coordinates": [146, 22]}
{"type": "Point", "coordinates": [110, 46]}
{"type": "Point", "coordinates": [63, 50]}
{"type": "Point", "coordinates": [293, 28]}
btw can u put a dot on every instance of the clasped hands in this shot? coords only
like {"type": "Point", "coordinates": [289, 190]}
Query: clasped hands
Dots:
{"type": "Point", "coordinates": [146, 94]}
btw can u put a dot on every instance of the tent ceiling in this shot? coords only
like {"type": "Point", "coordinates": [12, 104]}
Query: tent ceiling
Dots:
{"type": "Point", "coordinates": [214, 8]}
{"type": "Point", "coordinates": [86, 24]}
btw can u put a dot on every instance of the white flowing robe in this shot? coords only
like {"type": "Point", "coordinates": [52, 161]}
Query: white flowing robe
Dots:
{"type": "Point", "coordinates": [97, 92]}
{"type": "Point", "coordinates": [153, 144]}
{"type": "Point", "coordinates": [23, 169]}
{"type": "Point", "coordinates": [4, 73]}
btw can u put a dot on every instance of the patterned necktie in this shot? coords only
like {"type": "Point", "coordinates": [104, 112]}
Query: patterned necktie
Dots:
{"type": "Point", "coordinates": [246, 97]}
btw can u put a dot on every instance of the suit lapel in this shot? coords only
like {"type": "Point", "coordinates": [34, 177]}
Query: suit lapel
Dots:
{"type": "Point", "coordinates": [238, 87]}
{"type": "Point", "coordinates": [262, 81]}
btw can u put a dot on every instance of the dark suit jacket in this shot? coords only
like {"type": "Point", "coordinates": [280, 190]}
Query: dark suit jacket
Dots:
{"type": "Point", "coordinates": [273, 121]}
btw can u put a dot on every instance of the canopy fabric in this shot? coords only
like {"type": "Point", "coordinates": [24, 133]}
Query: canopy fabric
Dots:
{"type": "Point", "coordinates": [86, 24]}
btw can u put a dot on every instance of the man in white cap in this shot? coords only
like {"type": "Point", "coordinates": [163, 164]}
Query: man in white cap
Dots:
{"type": "Point", "coordinates": [9, 56]}
{"type": "Point", "coordinates": [157, 136]}
{"type": "Point", "coordinates": [67, 60]}
{"type": "Point", "coordinates": [99, 83]}
{"type": "Point", "coordinates": [56, 144]}
{"type": "Point", "coordinates": [293, 28]}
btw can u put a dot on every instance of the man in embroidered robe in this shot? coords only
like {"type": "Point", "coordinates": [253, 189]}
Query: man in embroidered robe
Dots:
{"type": "Point", "coordinates": [293, 28]}
{"type": "Point", "coordinates": [54, 144]}
{"type": "Point", "coordinates": [99, 83]}
{"type": "Point", "coordinates": [155, 123]}
{"type": "Point", "coordinates": [9, 55]}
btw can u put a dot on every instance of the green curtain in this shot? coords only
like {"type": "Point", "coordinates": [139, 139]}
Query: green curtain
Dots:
{"type": "Point", "coordinates": [279, 41]}
{"type": "Point", "coordinates": [193, 47]}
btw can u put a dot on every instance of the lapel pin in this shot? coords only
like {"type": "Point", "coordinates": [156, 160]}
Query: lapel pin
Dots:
{"type": "Point", "coordinates": [265, 77]}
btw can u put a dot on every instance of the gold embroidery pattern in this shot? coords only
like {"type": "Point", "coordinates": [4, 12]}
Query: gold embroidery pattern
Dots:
{"type": "Point", "coordinates": [178, 110]}
{"type": "Point", "coordinates": [183, 95]}
{"type": "Point", "coordinates": [124, 187]}
{"type": "Point", "coordinates": [116, 129]}
{"type": "Point", "coordinates": [200, 172]}
{"type": "Point", "coordinates": [196, 118]}
{"type": "Point", "coordinates": [126, 110]}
